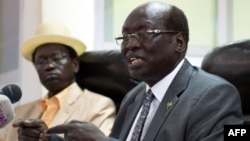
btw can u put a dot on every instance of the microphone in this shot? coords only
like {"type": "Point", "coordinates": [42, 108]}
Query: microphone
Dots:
{"type": "Point", "coordinates": [9, 94]}
{"type": "Point", "coordinates": [6, 111]}
{"type": "Point", "coordinates": [13, 92]}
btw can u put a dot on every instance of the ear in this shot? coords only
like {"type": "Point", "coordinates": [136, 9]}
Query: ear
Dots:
{"type": "Point", "coordinates": [75, 63]}
{"type": "Point", "coordinates": [181, 43]}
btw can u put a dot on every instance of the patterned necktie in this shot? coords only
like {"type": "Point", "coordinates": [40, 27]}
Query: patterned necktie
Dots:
{"type": "Point", "coordinates": [143, 116]}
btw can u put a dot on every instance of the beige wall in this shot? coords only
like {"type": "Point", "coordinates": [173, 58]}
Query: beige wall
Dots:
{"type": "Point", "coordinates": [86, 18]}
{"type": "Point", "coordinates": [19, 21]}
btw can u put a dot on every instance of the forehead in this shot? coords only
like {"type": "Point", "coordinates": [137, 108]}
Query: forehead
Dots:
{"type": "Point", "coordinates": [156, 10]}
{"type": "Point", "coordinates": [149, 16]}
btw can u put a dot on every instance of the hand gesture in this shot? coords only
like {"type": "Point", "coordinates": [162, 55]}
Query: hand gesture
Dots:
{"type": "Point", "coordinates": [31, 130]}
{"type": "Point", "coordinates": [78, 131]}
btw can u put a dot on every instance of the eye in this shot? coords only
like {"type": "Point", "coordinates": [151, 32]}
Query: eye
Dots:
{"type": "Point", "coordinates": [144, 35]}
{"type": "Point", "coordinates": [40, 61]}
{"type": "Point", "coordinates": [57, 57]}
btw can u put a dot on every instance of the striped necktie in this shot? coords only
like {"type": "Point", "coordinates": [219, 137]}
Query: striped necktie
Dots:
{"type": "Point", "coordinates": [143, 116]}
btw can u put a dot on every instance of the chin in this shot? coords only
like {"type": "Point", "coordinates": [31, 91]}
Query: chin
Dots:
{"type": "Point", "coordinates": [136, 75]}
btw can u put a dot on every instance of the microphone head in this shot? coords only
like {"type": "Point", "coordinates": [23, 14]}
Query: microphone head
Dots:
{"type": "Point", "coordinates": [6, 111]}
{"type": "Point", "coordinates": [13, 92]}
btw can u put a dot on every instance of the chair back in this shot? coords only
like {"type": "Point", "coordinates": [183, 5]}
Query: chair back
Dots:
{"type": "Point", "coordinates": [105, 72]}
{"type": "Point", "coordinates": [232, 62]}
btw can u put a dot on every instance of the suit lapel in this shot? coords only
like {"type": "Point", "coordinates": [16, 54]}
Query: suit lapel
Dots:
{"type": "Point", "coordinates": [132, 111]}
{"type": "Point", "coordinates": [62, 115]}
{"type": "Point", "coordinates": [34, 107]}
{"type": "Point", "coordinates": [37, 110]}
{"type": "Point", "coordinates": [169, 101]}
{"type": "Point", "coordinates": [67, 108]}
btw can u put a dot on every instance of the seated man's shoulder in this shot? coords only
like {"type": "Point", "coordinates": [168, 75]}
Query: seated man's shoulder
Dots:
{"type": "Point", "coordinates": [99, 101]}
{"type": "Point", "coordinates": [27, 105]}
{"type": "Point", "coordinates": [94, 97]}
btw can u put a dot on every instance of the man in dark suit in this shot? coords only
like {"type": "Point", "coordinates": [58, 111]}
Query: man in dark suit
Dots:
{"type": "Point", "coordinates": [188, 104]}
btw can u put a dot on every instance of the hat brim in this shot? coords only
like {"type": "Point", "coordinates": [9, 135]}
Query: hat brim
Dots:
{"type": "Point", "coordinates": [29, 46]}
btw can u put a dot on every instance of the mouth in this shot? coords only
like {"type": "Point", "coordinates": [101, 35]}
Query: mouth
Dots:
{"type": "Point", "coordinates": [50, 76]}
{"type": "Point", "coordinates": [135, 62]}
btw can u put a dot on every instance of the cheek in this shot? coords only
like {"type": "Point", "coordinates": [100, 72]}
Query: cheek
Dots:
{"type": "Point", "coordinates": [40, 73]}
{"type": "Point", "coordinates": [122, 49]}
{"type": "Point", "coordinates": [161, 55]}
{"type": "Point", "coordinates": [68, 70]}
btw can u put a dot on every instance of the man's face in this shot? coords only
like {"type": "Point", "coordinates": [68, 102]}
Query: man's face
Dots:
{"type": "Point", "coordinates": [55, 68]}
{"type": "Point", "coordinates": [149, 60]}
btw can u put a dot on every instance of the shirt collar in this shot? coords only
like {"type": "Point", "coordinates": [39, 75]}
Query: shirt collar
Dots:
{"type": "Point", "coordinates": [161, 87]}
{"type": "Point", "coordinates": [60, 97]}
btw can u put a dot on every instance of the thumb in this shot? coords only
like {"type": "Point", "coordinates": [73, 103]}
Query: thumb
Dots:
{"type": "Point", "coordinates": [18, 123]}
{"type": "Point", "coordinates": [59, 129]}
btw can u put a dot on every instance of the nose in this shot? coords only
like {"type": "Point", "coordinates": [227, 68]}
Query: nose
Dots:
{"type": "Point", "coordinates": [133, 42]}
{"type": "Point", "coordinates": [49, 64]}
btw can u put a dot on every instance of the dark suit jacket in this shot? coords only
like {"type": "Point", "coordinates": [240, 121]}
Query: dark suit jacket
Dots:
{"type": "Point", "coordinates": [202, 104]}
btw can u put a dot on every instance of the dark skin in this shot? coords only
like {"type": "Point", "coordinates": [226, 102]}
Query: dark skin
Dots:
{"type": "Point", "coordinates": [148, 61]}
{"type": "Point", "coordinates": [164, 51]}
{"type": "Point", "coordinates": [55, 74]}
{"type": "Point", "coordinates": [31, 130]}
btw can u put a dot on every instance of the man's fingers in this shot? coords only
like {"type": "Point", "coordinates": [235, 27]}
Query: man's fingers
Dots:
{"type": "Point", "coordinates": [18, 123]}
{"type": "Point", "coordinates": [28, 132]}
{"type": "Point", "coordinates": [60, 129]}
{"type": "Point", "coordinates": [76, 121]}
{"type": "Point", "coordinates": [31, 123]}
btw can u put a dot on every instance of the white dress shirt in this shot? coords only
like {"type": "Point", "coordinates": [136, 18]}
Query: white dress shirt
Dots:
{"type": "Point", "coordinates": [159, 90]}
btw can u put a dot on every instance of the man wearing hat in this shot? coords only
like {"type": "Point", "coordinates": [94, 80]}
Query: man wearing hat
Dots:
{"type": "Point", "coordinates": [54, 54]}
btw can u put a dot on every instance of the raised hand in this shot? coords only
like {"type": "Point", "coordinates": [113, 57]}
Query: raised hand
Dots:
{"type": "Point", "coordinates": [31, 130]}
{"type": "Point", "coordinates": [78, 131]}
